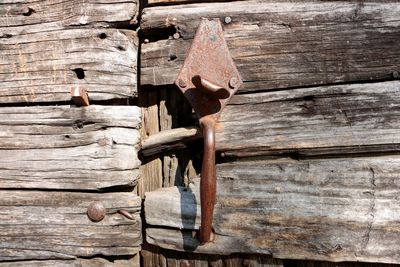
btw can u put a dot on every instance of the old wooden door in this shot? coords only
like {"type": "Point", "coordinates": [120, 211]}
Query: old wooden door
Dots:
{"type": "Point", "coordinates": [307, 150]}
{"type": "Point", "coordinates": [57, 159]}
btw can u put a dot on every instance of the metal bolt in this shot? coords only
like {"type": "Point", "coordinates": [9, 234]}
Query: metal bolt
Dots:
{"type": "Point", "coordinates": [395, 74]}
{"type": "Point", "coordinates": [96, 211]}
{"type": "Point", "coordinates": [228, 20]}
{"type": "Point", "coordinates": [182, 83]}
{"type": "Point", "coordinates": [176, 35]}
{"type": "Point", "coordinates": [233, 82]}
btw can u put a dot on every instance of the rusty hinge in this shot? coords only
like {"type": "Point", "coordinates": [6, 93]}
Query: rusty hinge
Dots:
{"type": "Point", "coordinates": [208, 79]}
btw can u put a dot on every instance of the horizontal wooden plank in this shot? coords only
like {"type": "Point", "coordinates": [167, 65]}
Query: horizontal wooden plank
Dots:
{"type": "Point", "coordinates": [94, 262]}
{"type": "Point", "coordinates": [282, 44]}
{"type": "Point", "coordinates": [63, 147]}
{"type": "Point", "coordinates": [176, 2]}
{"type": "Point", "coordinates": [337, 209]}
{"type": "Point", "coordinates": [21, 16]}
{"type": "Point", "coordinates": [45, 66]}
{"type": "Point", "coordinates": [340, 119]}
{"type": "Point", "coordinates": [54, 225]}
{"type": "Point", "coordinates": [322, 120]}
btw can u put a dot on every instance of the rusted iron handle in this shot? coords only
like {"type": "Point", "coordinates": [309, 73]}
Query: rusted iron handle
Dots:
{"type": "Point", "coordinates": [208, 182]}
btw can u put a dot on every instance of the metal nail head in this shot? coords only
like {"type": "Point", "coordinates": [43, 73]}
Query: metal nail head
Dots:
{"type": "Point", "coordinates": [96, 211]}
{"type": "Point", "coordinates": [233, 82]}
{"type": "Point", "coordinates": [182, 83]}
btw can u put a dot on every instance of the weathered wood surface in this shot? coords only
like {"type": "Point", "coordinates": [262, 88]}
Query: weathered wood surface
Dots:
{"type": "Point", "coordinates": [170, 139]}
{"type": "Point", "coordinates": [44, 66]}
{"type": "Point", "coordinates": [155, 256]}
{"type": "Point", "coordinates": [338, 119]}
{"type": "Point", "coordinates": [19, 17]}
{"type": "Point", "coordinates": [94, 262]}
{"type": "Point", "coordinates": [293, 263]}
{"type": "Point", "coordinates": [178, 2]}
{"type": "Point", "coordinates": [54, 225]}
{"type": "Point", "coordinates": [63, 147]}
{"type": "Point", "coordinates": [337, 209]}
{"type": "Point", "coordinates": [283, 44]}
{"type": "Point", "coordinates": [151, 176]}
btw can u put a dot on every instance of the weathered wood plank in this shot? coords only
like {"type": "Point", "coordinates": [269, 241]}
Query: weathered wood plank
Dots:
{"type": "Point", "coordinates": [321, 120]}
{"type": "Point", "coordinates": [155, 256]}
{"type": "Point", "coordinates": [151, 176]}
{"type": "Point", "coordinates": [42, 67]}
{"type": "Point", "coordinates": [94, 262]}
{"type": "Point", "coordinates": [357, 118]}
{"type": "Point", "coordinates": [177, 2]}
{"type": "Point", "coordinates": [64, 147]}
{"type": "Point", "coordinates": [54, 225]}
{"type": "Point", "coordinates": [283, 44]}
{"type": "Point", "coordinates": [43, 15]}
{"type": "Point", "coordinates": [293, 263]}
{"type": "Point", "coordinates": [308, 209]}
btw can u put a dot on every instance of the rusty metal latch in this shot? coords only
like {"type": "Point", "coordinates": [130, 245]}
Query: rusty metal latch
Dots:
{"type": "Point", "coordinates": [208, 79]}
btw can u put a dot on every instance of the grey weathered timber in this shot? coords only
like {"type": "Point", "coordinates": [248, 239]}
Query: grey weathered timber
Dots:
{"type": "Point", "coordinates": [63, 147]}
{"type": "Point", "coordinates": [177, 2]}
{"type": "Point", "coordinates": [94, 262]}
{"type": "Point", "coordinates": [335, 209]}
{"type": "Point", "coordinates": [155, 256]}
{"type": "Point", "coordinates": [45, 66]}
{"type": "Point", "coordinates": [54, 225]}
{"type": "Point", "coordinates": [283, 44]}
{"type": "Point", "coordinates": [170, 139]}
{"type": "Point", "coordinates": [338, 119]}
{"type": "Point", "coordinates": [22, 16]}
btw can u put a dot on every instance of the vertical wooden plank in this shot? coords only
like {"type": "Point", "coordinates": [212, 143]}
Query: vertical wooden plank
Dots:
{"type": "Point", "coordinates": [151, 169]}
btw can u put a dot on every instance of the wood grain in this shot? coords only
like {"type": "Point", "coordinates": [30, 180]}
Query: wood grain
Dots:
{"type": "Point", "coordinates": [93, 262]}
{"type": "Point", "coordinates": [327, 120]}
{"type": "Point", "coordinates": [62, 147]}
{"type": "Point", "coordinates": [282, 44]}
{"type": "Point", "coordinates": [45, 66]}
{"type": "Point", "coordinates": [23, 16]}
{"type": "Point", "coordinates": [54, 225]}
{"type": "Point", "coordinates": [338, 209]}
{"type": "Point", "coordinates": [155, 256]}
{"type": "Point", "coordinates": [151, 177]}
{"type": "Point", "coordinates": [180, 2]}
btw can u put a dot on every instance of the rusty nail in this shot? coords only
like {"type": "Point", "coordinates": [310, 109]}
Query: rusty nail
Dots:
{"type": "Point", "coordinates": [395, 74]}
{"type": "Point", "coordinates": [182, 83]}
{"type": "Point", "coordinates": [176, 35]}
{"type": "Point", "coordinates": [233, 82]}
{"type": "Point", "coordinates": [79, 96]}
{"type": "Point", "coordinates": [228, 20]}
{"type": "Point", "coordinates": [127, 214]}
{"type": "Point", "coordinates": [96, 211]}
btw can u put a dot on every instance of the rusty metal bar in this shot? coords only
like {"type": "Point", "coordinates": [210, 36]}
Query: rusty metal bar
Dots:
{"type": "Point", "coordinates": [208, 182]}
{"type": "Point", "coordinates": [208, 79]}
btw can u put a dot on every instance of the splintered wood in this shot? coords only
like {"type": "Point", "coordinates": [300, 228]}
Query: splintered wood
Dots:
{"type": "Point", "coordinates": [326, 209]}
{"type": "Point", "coordinates": [54, 225]}
{"type": "Point", "coordinates": [88, 148]}
{"type": "Point", "coordinates": [282, 44]}
{"type": "Point", "coordinates": [44, 54]}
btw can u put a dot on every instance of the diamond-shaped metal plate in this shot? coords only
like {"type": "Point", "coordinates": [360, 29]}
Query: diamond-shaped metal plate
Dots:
{"type": "Point", "coordinates": [208, 58]}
